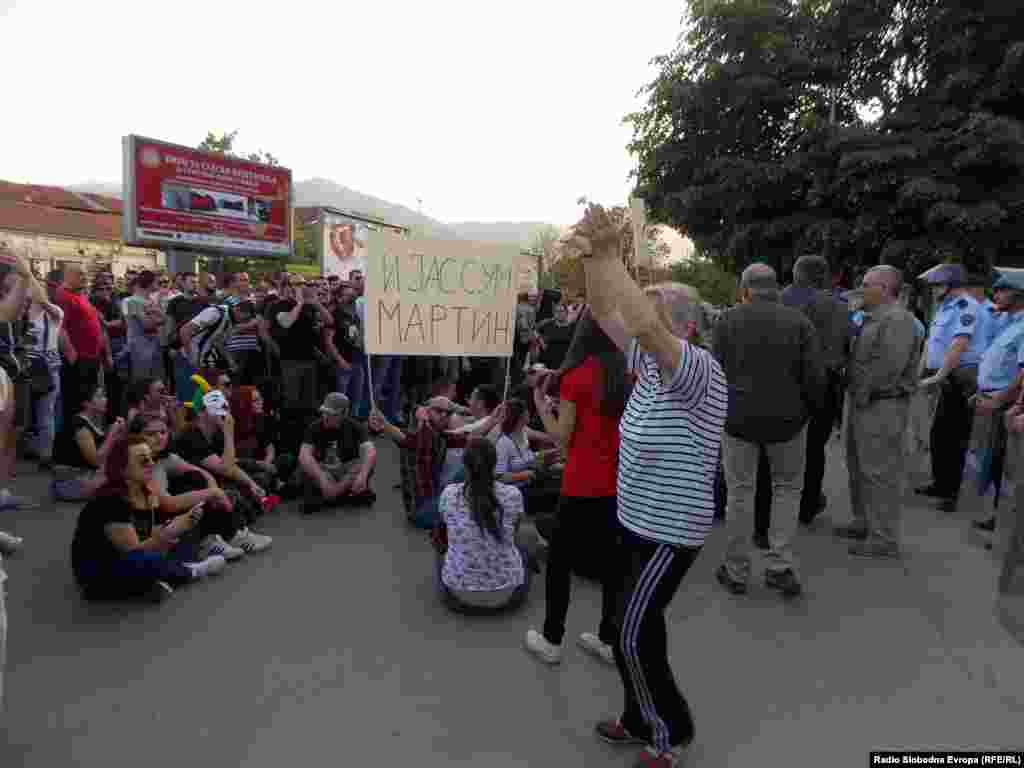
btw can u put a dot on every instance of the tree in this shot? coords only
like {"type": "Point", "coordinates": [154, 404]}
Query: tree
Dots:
{"type": "Point", "coordinates": [225, 143]}
{"type": "Point", "coordinates": [756, 138]}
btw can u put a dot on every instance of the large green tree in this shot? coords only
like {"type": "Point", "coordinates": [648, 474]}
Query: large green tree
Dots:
{"type": "Point", "coordinates": [866, 130]}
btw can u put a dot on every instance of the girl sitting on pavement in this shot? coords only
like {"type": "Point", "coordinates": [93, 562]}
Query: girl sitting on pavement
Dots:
{"type": "Point", "coordinates": [481, 569]}
{"type": "Point", "coordinates": [119, 551]}
{"type": "Point", "coordinates": [81, 449]}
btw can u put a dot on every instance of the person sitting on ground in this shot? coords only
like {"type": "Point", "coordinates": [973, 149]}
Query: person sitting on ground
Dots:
{"type": "Point", "coordinates": [81, 449]}
{"type": "Point", "coordinates": [180, 486]}
{"type": "Point", "coordinates": [424, 454]}
{"type": "Point", "coordinates": [150, 396]}
{"type": "Point", "coordinates": [481, 569]}
{"type": "Point", "coordinates": [256, 439]}
{"type": "Point", "coordinates": [519, 465]}
{"type": "Point", "coordinates": [210, 443]}
{"type": "Point", "coordinates": [336, 458]}
{"type": "Point", "coordinates": [118, 550]}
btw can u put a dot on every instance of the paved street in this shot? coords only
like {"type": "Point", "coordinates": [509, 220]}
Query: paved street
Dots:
{"type": "Point", "coordinates": [332, 649]}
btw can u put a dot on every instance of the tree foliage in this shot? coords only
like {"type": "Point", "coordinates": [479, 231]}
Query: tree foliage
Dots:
{"type": "Point", "coordinates": [224, 143]}
{"type": "Point", "coordinates": [865, 130]}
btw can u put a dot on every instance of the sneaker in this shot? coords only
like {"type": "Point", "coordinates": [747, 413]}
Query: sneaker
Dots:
{"type": "Point", "coordinates": [651, 758]}
{"type": "Point", "coordinates": [215, 545]}
{"type": "Point", "coordinates": [614, 732]}
{"type": "Point", "coordinates": [538, 645]}
{"type": "Point", "coordinates": [590, 642]}
{"type": "Point", "coordinates": [9, 501]}
{"type": "Point", "coordinates": [250, 541]}
{"type": "Point", "coordinates": [269, 502]}
{"type": "Point", "coordinates": [210, 566]}
{"type": "Point", "coordinates": [734, 586]}
{"type": "Point", "coordinates": [985, 525]}
{"type": "Point", "coordinates": [854, 531]}
{"type": "Point", "coordinates": [159, 592]}
{"type": "Point", "coordinates": [10, 544]}
{"type": "Point", "coordinates": [875, 549]}
{"type": "Point", "coordinates": [784, 581]}
{"type": "Point", "coordinates": [932, 491]}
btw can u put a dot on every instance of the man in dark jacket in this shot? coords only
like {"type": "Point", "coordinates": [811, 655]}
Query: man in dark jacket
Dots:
{"type": "Point", "coordinates": [772, 361]}
{"type": "Point", "coordinates": [831, 320]}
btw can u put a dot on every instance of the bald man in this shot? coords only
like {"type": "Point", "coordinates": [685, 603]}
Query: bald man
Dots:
{"type": "Point", "coordinates": [87, 347]}
{"type": "Point", "coordinates": [882, 378]}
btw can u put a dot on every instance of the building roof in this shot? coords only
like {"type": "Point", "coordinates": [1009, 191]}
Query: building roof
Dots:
{"type": "Point", "coordinates": [44, 220]}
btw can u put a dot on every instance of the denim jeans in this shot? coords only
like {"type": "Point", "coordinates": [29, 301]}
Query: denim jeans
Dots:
{"type": "Point", "coordinates": [184, 389]}
{"type": "Point", "coordinates": [44, 414]}
{"type": "Point", "coordinates": [131, 575]}
{"type": "Point", "coordinates": [350, 382]}
{"type": "Point", "coordinates": [740, 460]}
{"type": "Point", "coordinates": [387, 377]}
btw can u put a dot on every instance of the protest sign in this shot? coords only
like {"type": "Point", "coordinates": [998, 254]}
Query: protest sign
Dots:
{"type": "Point", "coordinates": [440, 297]}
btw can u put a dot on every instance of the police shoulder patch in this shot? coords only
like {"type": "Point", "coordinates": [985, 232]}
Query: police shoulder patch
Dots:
{"type": "Point", "coordinates": [966, 320]}
{"type": "Point", "coordinates": [962, 303]}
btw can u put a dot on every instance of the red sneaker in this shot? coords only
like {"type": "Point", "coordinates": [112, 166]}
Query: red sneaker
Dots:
{"type": "Point", "coordinates": [269, 502]}
{"type": "Point", "coordinates": [614, 732]}
{"type": "Point", "coordinates": [651, 759]}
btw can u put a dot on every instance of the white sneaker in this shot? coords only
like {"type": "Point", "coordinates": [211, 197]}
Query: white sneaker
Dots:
{"type": "Point", "coordinates": [160, 591]}
{"type": "Point", "coordinates": [10, 544]}
{"type": "Point", "coordinates": [250, 541]}
{"type": "Point", "coordinates": [538, 645]}
{"type": "Point", "coordinates": [215, 545]}
{"type": "Point", "coordinates": [9, 501]}
{"type": "Point", "coordinates": [209, 566]}
{"type": "Point", "coordinates": [591, 643]}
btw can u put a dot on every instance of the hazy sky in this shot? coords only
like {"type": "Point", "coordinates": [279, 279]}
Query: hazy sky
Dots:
{"type": "Point", "coordinates": [485, 110]}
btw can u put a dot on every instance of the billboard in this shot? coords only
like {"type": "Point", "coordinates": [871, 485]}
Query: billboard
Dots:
{"type": "Point", "coordinates": [205, 201]}
{"type": "Point", "coordinates": [440, 297]}
{"type": "Point", "coordinates": [343, 244]}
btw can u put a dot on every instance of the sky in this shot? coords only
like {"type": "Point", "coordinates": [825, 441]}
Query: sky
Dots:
{"type": "Point", "coordinates": [485, 111]}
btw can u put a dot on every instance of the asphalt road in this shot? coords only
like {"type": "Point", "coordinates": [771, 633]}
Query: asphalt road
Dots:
{"type": "Point", "coordinates": [332, 649]}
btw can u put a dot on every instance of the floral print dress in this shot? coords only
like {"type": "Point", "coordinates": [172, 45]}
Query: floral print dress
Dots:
{"type": "Point", "coordinates": [475, 560]}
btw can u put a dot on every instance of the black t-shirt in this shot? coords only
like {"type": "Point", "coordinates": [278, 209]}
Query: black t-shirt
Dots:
{"type": "Point", "coordinates": [347, 439]}
{"type": "Point", "coordinates": [90, 543]}
{"type": "Point", "coordinates": [557, 338]}
{"type": "Point", "coordinates": [194, 447]}
{"type": "Point", "coordinates": [299, 341]}
{"type": "Point", "coordinates": [348, 334]}
{"type": "Point", "coordinates": [182, 309]}
{"type": "Point", "coordinates": [65, 448]}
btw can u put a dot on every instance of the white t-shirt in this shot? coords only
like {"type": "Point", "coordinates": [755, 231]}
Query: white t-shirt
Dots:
{"type": "Point", "coordinates": [49, 347]}
{"type": "Point", "coordinates": [671, 436]}
{"type": "Point", "coordinates": [513, 455]}
{"type": "Point", "coordinates": [210, 326]}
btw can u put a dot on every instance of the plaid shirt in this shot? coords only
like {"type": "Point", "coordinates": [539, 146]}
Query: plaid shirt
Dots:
{"type": "Point", "coordinates": [423, 456]}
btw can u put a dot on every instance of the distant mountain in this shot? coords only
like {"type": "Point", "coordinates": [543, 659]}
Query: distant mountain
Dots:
{"type": "Point", "coordinates": [325, 192]}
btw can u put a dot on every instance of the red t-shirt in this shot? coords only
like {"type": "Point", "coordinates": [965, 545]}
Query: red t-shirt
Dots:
{"type": "Point", "coordinates": [593, 459]}
{"type": "Point", "coordinates": [82, 323]}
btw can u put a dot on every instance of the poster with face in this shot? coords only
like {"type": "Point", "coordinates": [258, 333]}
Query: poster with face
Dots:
{"type": "Point", "coordinates": [344, 246]}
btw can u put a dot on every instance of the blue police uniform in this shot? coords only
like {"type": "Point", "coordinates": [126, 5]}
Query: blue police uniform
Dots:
{"type": "Point", "coordinates": [956, 316]}
{"type": "Point", "coordinates": [995, 321]}
{"type": "Point", "coordinates": [1003, 360]}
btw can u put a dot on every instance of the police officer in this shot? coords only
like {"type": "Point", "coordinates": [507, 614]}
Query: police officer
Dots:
{"type": "Point", "coordinates": [1000, 376]}
{"type": "Point", "coordinates": [882, 376]}
{"type": "Point", "coordinates": [953, 351]}
{"type": "Point", "coordinates": [992, 320]}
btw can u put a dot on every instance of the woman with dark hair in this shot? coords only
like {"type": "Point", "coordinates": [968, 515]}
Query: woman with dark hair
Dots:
{"type": "Point", "coordinates": [519, 465]}
{"type": "Point", "coordinates": [593, 389]}
{"type": "Point", "coordinates": [143, 320]}
{"type": "Point", "coordinates": [118, 550]}
{"type": "Point", "coordinates": [81, 449]}
{"type": "Point", "coordinates": [482, 570]}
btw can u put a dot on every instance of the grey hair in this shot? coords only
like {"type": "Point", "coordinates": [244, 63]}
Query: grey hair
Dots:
{"type": "Point", "coordinates": [811, 270]}
{"type": "Point", "coordinates": [682, 306]}
{"type": "Point", "coordinates": [761, 281]}
{"type": "Point", "coordinates": [893, 278]}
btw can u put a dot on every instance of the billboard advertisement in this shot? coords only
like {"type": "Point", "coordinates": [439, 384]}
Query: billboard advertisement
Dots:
{"type": "Point", "coordinates": [343, 244]}
{"type": "Point", "coordinates": [205, 201]}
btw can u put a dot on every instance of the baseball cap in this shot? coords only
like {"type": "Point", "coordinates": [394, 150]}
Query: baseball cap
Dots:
{"type": "Point", "coordinates": [335, 404]}
{"type": "Point", "coordinates": [944, 274]}
{"type": "Point", "coordinates": [215, 404]}
{"type": "Point", "coordinates": [1009, 279]}
{"type": "Point", "coordinates": [444, 404]}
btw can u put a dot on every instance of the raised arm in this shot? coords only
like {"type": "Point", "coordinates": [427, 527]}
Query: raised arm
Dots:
{"type": "Point", "coordinates": [617, 302]}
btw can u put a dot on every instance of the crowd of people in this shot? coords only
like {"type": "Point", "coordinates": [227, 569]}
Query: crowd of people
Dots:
{"type": "Point", "coordinates": [178, 410]}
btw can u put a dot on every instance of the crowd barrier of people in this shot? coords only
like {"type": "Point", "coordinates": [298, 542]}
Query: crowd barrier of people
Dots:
{"type": "Point", "coordinates": [179, 411]}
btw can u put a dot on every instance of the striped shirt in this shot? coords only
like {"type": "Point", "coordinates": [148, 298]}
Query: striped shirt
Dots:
{"type": "Point", "coordinates": [671, 435]}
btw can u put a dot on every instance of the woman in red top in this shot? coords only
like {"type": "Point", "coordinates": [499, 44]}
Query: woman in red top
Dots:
{"type": "Point", "coordinates": [593, 391]}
